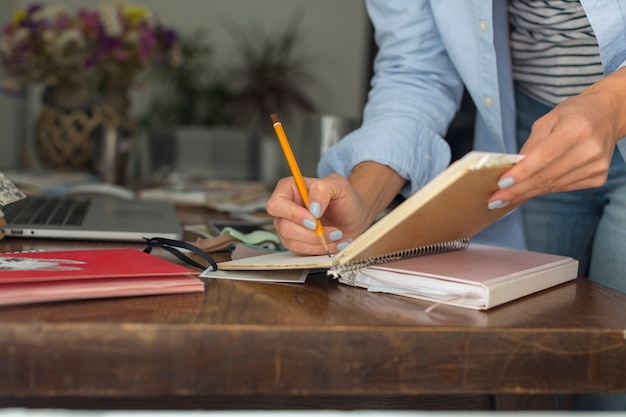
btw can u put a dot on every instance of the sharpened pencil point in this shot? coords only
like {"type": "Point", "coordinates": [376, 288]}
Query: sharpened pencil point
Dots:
{"type": "Point", "coordinates": [320, 234]}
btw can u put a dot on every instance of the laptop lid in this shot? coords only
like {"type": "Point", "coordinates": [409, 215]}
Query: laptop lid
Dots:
{"type": "Point", "coordinates": [91, 218]}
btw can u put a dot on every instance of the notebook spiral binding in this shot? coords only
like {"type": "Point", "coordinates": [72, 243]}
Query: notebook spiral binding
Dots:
{"type": "Point", "coordinates": [348, 272]}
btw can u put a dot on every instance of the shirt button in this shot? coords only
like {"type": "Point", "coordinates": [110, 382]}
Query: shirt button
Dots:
{"type": "Point", "coordinates": [488, 101]}
{"type": "Point", "coordinates": [482, 25]}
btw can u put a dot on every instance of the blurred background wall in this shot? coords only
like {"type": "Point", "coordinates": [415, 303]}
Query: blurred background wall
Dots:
{"type": "Point", "coordinates": [9, 125]}
{"type": "Point", "coordinates": [335, 38]}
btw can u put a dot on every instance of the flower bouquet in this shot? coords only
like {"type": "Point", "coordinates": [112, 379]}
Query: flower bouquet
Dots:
{"type": "Point", "coordinates": [86, 61]}
{"type": "Point", "coordinates": [97, 50]}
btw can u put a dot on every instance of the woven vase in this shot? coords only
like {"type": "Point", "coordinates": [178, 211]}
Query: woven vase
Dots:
{"type": "Point", "coordinates": [71, 125]}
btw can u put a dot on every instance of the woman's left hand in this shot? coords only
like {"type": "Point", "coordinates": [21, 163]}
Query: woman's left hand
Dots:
{"type": "Point", "coordinates": [570, 148]}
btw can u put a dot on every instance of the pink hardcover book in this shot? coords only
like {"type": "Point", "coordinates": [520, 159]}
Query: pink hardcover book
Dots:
{"type": "Point", "coordinates": [478, 277]}
{"type": "Point", "coordinates": [30, 277]}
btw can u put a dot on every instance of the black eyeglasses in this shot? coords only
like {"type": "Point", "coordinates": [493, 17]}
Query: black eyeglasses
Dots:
{"type": "Point", "coordinates": [172, 246]}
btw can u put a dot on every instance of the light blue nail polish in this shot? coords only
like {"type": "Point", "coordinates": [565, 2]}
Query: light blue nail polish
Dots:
{"type": "Point", "coordinates": [342, 245]}
{"type": "Point", "coordinates": [335, 235]}
{"type": "Point", "coordinates": [315, 209]}
{"type": "Point", "coordinates": [504, 204]}
{"type": "Point", "coordinates": [497, 204]}
{"type": "Point", "coordinates": [309, 224]}
{"type": "Point", "coordinates": [506, 182]}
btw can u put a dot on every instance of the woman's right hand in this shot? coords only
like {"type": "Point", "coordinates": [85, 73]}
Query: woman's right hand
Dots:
{"type": "Point", "coordinates": [346, 207]}
{"type": "Point", "coordinates": [332, 199]}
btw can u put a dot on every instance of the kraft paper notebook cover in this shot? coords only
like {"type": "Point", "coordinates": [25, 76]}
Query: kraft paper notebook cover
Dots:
{"type": "Point", "coordinates": [28, 277]}
{"type": "Point", "coordinates": [441, 216]}
{"type": "Point", "coordinates": [479, 277]}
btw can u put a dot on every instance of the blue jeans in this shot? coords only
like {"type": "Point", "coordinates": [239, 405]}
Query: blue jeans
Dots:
{"type": "Point", "coordinates": [588, 225]}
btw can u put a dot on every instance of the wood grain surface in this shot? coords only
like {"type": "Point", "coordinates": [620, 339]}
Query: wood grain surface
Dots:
{"type": "Point", "coordinates": [262, 345]}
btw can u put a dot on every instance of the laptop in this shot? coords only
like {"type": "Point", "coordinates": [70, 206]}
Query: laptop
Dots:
{"type": "Point", "coordinates": [91, 217]}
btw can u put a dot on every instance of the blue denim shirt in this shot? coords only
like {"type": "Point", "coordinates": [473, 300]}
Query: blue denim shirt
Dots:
{"type": "Point", "coordinates": [429, 50]}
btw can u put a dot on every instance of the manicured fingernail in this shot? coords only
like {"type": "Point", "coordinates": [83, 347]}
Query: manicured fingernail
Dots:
{"type": "Point", "coordinates": [506, 182]}
{"type": "Point", "coordinates": [342, 245]}
{"type": "Point", "coordinates": [497, 204]}
{"type": "Point", "coordinates": [315, 209]}
{"type": "Point", "coordinates": [309, 224]}
{"type": "Point", "coordinates": [335, 235]}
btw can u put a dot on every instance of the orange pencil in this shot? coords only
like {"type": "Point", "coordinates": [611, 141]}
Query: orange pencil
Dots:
{"type": "Point", "coordinates": [297, 175]}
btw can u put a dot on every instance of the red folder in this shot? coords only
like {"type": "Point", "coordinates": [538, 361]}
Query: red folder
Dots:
{"type": "Point", "coordinates": [29, 277]}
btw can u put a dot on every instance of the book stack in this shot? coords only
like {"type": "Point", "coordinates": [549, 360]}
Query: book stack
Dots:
{"type": "Point", "coordinates": [9, 193]}
{"type": "Point", "coordinates": [32, 277]}
{"type": "Point", "coordinates": [2, 223]}
{"type": "Point", "coordinates": [221, 195]}
{"type": "Point", "coordinates": [422, 249]}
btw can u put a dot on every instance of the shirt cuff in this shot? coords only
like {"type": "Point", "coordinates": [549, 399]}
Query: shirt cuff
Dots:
{"type": "Point", "coordinates": [408, 147]}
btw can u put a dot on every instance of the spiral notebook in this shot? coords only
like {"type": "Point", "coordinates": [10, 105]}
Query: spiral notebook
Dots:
{"type": "Point", "coordinates": [442, 216]}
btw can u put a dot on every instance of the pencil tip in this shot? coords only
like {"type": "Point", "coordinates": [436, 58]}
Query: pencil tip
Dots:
{"type": "Point", "coordinates": [328, 253]}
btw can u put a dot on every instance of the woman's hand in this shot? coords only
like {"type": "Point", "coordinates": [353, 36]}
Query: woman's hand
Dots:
{"type": "Point", "coordinates": [346, 207]}
{"type": "Point", "coordinates": [332, 196]}
{"type": "Point", "coordinates": [571, 147]}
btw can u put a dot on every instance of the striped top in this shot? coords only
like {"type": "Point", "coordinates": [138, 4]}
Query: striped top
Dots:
{"type": "Point", "coordinates": [554, 50]}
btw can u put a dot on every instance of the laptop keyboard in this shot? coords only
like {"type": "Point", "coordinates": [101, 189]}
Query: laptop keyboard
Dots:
{"type": "Point", "coordinates": [47, 211]}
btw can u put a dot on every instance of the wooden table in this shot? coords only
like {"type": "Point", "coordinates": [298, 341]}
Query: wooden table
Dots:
{"type": "Point", "coordinates": [314, 345]}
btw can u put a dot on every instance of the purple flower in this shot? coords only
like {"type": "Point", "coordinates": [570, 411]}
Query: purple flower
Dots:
{"type": "Point", "coordinates": [33, 8]}
{"type": "Point", "coordinates": [76, 49]}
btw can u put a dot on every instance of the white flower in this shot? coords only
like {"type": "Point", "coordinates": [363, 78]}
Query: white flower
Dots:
{"type": "Point", "coordinates": [48, 13]}
{"type": "Point", "coordinates": [111, 20]}
{"type": "Point", "coordinates": [132, 36]}
{"type": "Point", "coordinates": [48, 36]}
{"type": "Point", "coordinates": [20, 36]}
{"type": "Point", "coordinates": [67, 38]}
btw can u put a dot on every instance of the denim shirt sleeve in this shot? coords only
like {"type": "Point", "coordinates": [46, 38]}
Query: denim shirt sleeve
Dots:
{"type": "Point", "coordinates": [415, 93]}
{"type": "Point", "coordinates": [608, 20]}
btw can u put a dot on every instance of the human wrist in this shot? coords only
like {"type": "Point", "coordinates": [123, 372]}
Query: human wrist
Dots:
{"type": "Point", "coordinates": [376, 185]}
{"type": "Point", "coordinates": [612, 89]}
